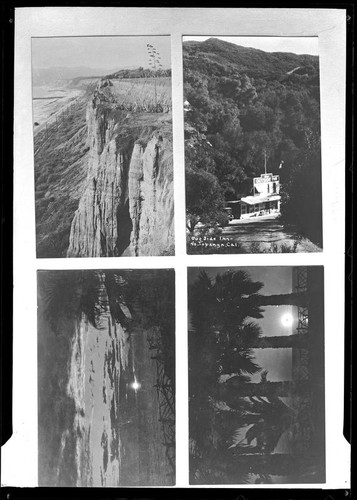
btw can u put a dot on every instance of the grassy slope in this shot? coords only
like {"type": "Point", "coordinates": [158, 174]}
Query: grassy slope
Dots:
{"type": "Point", "coordinates": [60, 170]}
{"type": "Point", "coordinates": [140, 90]}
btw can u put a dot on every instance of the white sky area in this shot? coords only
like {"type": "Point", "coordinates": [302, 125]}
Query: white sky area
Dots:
{"type": "Point", "coordinates": [105, 52]}
{"type": "Point", "coordinates": [297, 45]}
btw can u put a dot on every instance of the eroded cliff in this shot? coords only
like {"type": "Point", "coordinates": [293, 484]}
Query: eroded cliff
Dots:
{"type": "Point", "coordinates": [127, 204]}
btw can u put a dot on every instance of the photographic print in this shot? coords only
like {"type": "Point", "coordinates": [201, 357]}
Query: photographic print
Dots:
{"type": "Point", "coordinates": [256, 375]}
{"type": "Point", "coordinates": [102, 122]}
{"type": "Point", "coordinates": [106, 378]}
{"type": "Point", "coordinates": [252, 144]}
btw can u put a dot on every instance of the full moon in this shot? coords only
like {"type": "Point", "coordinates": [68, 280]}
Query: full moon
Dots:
{"type": "Point", "coordinates": [287, 319]}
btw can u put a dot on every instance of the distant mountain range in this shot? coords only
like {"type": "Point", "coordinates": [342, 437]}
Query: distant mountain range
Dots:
{"type": "Point", "coordinates": [46, 76]}
{"type": "Point", "coordinates": [254, 62]}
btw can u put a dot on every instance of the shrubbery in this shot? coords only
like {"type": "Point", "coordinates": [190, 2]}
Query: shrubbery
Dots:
{"type": "Point", "coordinates": [243, 103]}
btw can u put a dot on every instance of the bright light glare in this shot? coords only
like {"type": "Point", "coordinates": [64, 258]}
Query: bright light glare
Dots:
{"type": "Point", "coordinates": [287, 319]}
{"type": "Point", "coordinates": [135, 385]}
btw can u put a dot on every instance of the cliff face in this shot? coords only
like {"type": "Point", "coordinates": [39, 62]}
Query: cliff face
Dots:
{"type": "Point", "coordinates": [127, 204]}
{"type": "Point", "coordinates": [150, 193]}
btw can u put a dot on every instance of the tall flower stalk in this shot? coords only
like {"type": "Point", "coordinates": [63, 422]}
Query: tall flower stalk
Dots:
{"type": "Point", "coordinates": [154, 63]}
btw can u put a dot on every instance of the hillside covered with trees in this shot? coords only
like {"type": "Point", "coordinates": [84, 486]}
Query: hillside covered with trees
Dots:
{"type": "Point", "coordinates": [243, 103]}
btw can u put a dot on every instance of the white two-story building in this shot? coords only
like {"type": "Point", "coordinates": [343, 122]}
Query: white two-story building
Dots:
{"type": "Point", "coordinates": [264, 199]}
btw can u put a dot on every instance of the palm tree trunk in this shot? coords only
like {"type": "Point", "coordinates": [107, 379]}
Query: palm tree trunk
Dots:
{"type": "Point", "coordinates": [277, 389]}
{"type": "Point", "coordinates": [234, 389]}
{"type": "Point", "coordinates": [286, 299]}
{"type": "Point", "coordinates": [283, 341]}
{"type": "Point", "coordinates": [237, 467]}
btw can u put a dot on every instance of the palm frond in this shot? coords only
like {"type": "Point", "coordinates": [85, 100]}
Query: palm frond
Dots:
{"type": "Point", "coordinates": [249, 332]}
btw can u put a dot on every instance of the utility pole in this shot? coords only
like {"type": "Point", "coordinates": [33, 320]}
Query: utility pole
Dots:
{"type": "Point", "coordinates": [265, 161]}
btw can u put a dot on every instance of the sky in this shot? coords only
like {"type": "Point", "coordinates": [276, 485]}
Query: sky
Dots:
{"type": "Point", "coordinates": [277, 280]}
{"type": "Point", "coordinates": [115, 52]}
{"type": "Point", "coordinates": [98, 51]}
{"type": "Point", "coordinates": [297, 45]}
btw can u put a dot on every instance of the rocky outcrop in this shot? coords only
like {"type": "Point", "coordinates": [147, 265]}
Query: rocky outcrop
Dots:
{"type": "Point", "coordinates": [127, 204]}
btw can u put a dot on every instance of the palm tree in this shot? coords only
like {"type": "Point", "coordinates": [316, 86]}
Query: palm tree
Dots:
{"type": "Point", "coordinates": [246, 335]}
{"type": "Point", "coordinates": [238, 362]}
{"type": "Point", "coordinates": [235, 388]}
{"type": "Point", "coordinates": [233, 457]}
{"type": "Point", "coordinates": [214, 345]}
{"type": "Point", "coordinates": [218, 333]}
{"type": "Point", "coordinates": [220, 302]}
{"type": "Point", "coordinates": [223, 304]}
{"type": "Point", "coordinates": [299, 299]}
{"type": "Point", "coordinates": [69, 294]}
{"type": "Point", "coordinates": [268, 419]}
{"type": "Point", "coordinates": [231, 297]}
{"type": "Point", "coordinates": [231, 290]}
{"type": "Point", "coordinates": [236, 352]}
{"type": "Point", "coordinates": [212, 351]}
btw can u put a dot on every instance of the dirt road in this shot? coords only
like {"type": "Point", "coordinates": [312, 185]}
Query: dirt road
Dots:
{"type": "Point", "coordinates": [267, 235]}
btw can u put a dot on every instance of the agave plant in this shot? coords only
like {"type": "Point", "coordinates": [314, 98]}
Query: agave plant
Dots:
{"type": "Point", "coordinates": [154, 63]}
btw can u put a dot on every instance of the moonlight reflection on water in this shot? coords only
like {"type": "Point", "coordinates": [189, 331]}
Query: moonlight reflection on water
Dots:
{"type": "Point", "coordinates": [110, 429]}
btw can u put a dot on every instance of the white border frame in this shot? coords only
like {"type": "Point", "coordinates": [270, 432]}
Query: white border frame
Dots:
{"type": "Point", "coordinates": [19, 465]}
